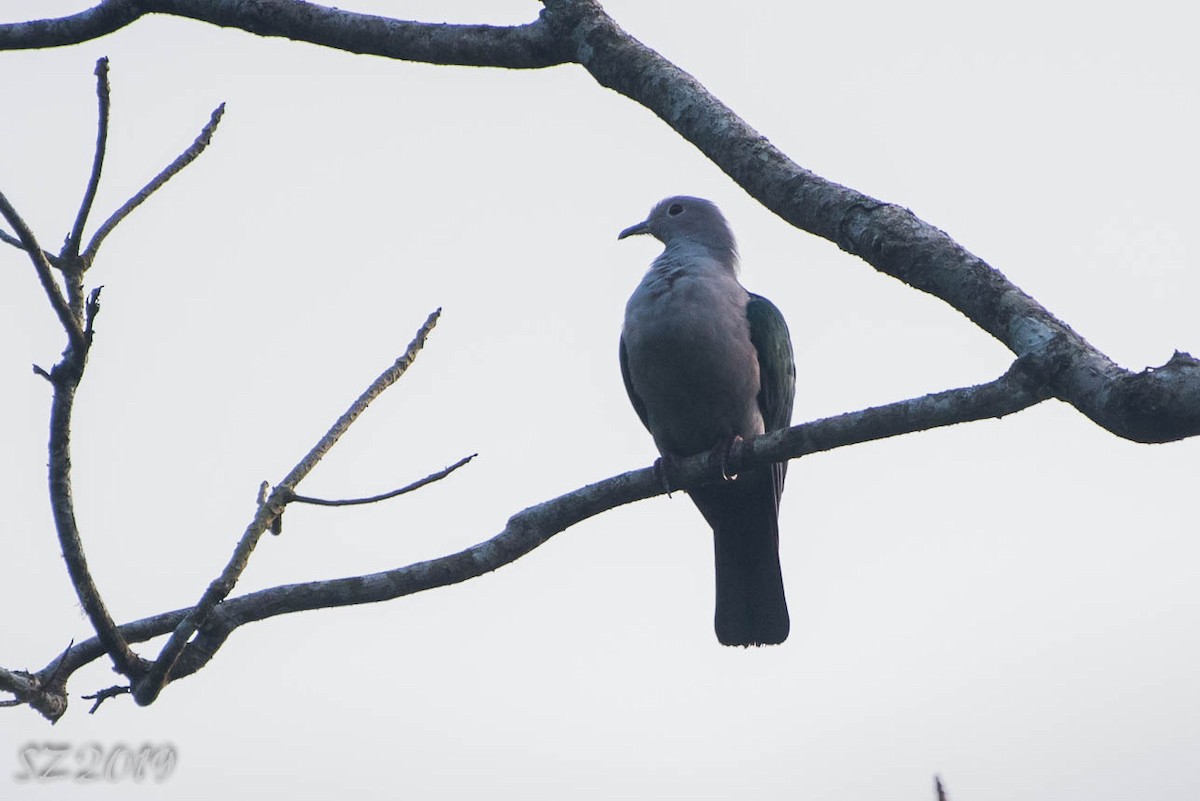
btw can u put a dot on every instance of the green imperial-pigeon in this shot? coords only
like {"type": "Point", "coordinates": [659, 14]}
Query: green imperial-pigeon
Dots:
{"type": "Point", "coordinates": [705, 362]}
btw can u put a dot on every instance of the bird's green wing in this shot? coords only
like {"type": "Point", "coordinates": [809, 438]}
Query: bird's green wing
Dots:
{"type": "Point", "coordinates": [776, 365]}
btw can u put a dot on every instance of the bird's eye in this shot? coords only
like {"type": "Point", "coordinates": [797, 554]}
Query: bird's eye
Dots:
{"type": "Point", "coordinates": [675, 210]}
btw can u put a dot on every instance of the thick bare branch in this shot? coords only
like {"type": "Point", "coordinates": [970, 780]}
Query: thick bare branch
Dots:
{"type": "Point", "coordinates": [28, 688]}
{"type": "Point", "coordinates": [65, 379]}
{"type": "Point", "coordinates": [151, 684]}
{"type": "Point", "coordinates": [1147, 407]}
{"type": "Point", "coordinates": [517, 47]}
{"type": "Point", "coordinates": [531, 527]}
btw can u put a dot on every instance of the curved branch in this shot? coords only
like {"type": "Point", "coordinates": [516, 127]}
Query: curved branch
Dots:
{"type": "Point", "coordinates": [529, 528]}
{"type": "Point", "coordinates": [527, 46]}
{"type": "Point", "coordinates": [383, 496]}
{"type": "Point", "coordinates": [65, 379]}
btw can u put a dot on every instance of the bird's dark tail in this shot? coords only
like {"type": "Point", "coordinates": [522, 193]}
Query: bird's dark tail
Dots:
{"type": "Point", "coordinates": [744, 515]}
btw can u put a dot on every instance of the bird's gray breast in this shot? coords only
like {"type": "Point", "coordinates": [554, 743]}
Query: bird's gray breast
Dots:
{"type": "Point", "coordinates": [690, 358]}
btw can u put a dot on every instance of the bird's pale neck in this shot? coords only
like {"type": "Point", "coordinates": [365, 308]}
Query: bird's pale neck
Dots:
{"type": "Point", "coordinates": [694, 253]}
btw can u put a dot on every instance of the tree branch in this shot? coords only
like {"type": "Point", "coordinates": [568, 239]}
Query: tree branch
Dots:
{"type": "Point", "coordinates": [148, 687]}
{"type": "Point", "coordinates": [41, 264]}
{"type": "Point", "coordinates": [75, 238]}
{"type": "Point", "coordinates": [517, 47]}
{"type": "Point", "coordinates": [416, 485]}
{"type": "Point", "coordinates": [28, 688]}
{"type": "Point", "coordinates": [9, 239]}
{"type": "Point", "coordinates": [1152, 406]}
{"type": "Point", "coordinates": [182, 160]}
{"type": "Point", "coordinates": [77, 315]}
{"type": "Point", "coordinates": [531, 527]}
{"type": "Point", "coordinates": [65, 379]}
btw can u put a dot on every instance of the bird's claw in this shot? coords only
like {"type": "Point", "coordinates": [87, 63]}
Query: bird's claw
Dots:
{"type": "Point", "coordinates": [664, 467]}
{"type": "Point", "coordinates": [730, 458]}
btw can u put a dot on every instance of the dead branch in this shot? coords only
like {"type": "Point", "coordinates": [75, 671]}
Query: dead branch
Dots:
{"type": "Point", "coordinates": [407, 488]}
{"type": "Point", "coordinates": [65, 377]}
{"type": "Point", "coordinates": [103, 95]}
{"type": "Point", "coordinates": [77, 316]}
{"type": "Point", "coordinates": [42, 266]}
{"type": "Point", "coordinates": [185, 158]}
{"type": "Point", "coordinates": [531, 527]}
{"type": "Point", "coordinates": [156, 677]}
{"type": "Point", "coordinates": [517, 47]}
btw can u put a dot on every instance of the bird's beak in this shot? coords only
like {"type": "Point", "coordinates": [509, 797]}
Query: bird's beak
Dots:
{"type": "Point", "coordinates": [641, 228]}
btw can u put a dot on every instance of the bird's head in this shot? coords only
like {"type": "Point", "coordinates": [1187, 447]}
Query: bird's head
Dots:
{"type": "Point", "coordinates": [682, 219]}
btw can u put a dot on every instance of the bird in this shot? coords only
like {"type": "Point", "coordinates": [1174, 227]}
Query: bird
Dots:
{"type": "Point", "coordinates": [704, 362]}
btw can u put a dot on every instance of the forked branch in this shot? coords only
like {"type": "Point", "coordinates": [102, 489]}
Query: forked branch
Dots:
{"type": "Point", "coordinates": [531, 527]}
{"type": "Point", "coordinates": [77, 314]}
{"type": "Point", "coordinates": [151, 684]}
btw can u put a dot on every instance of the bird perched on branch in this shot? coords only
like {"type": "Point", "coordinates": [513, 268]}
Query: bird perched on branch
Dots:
{"type": "Point", "coordinates": [706, 362]}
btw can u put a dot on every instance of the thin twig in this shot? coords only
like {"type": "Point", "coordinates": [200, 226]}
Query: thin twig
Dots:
{"type": "Point", "coordinates": [8, 238]}
{"type": "Point", "coordinates": [54, 674]}
{"type": "Point", "coordinates": [90, 311]}
{"type": "Point", "coordinates": [148, 688]}
{"type": "Point", "coordinates": [103, 695]}
{"type": "Point", "coordinates": [42, 265]}
{"type": "Point", "coordinates": [385, 380]}
{"type": "Point", "coordinates": [5, 236]}
{"type": "Point", "coordinates": [416, 485]}
{"type": "Point", "coordinates": [185, 158]}
{"type": "Point", "coordinates": [75, 238]}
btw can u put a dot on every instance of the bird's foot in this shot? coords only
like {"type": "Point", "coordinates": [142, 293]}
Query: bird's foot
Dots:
{"type": "Point", "coordinates": [666, 468]}
{"type": "Point", "coordinates": [729, 456]}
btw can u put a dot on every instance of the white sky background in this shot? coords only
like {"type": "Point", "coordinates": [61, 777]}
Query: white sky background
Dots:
{"type": "Point", "coordinates": [1012, 604]}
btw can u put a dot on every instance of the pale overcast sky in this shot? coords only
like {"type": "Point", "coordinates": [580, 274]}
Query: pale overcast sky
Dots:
{"type": "Point", "coordinates": [1012, 604]}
